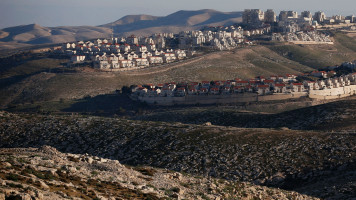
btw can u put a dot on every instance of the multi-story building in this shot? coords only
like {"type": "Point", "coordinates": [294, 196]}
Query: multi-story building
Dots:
{"type": "Point", "coordinates": [319, 16]}
{"type": "Point", "coordinates": [285, 15]}
{"type": "Point", "coordinates": [270, 16]}
{"type": "Point", "coordinates": [253, 17]}
{"type": "Point", "coordinates": [306, 14]}
{"type": "Point", "coordinates": [351, 18]}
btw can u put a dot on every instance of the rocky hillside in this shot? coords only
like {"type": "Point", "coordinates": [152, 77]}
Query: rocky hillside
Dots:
{"type": "Point", "coordinates": [294, 160]}
{"type": "Point", "coordinates": [46, 173]}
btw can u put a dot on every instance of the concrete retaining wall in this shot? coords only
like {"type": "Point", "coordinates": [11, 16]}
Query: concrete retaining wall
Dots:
{"type": "Point", "coordinates": [310, 42]}
{"type": "Point", "coordinates": [333, 93]}
{"type": "Point", "coordinates": [326, 94]}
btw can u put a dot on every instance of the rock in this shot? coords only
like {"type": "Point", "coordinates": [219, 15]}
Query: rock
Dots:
{"type": "Point", "coordinates": [2, 182]}
{"type": "Point", "coordinates": [43, 185]}
{"type": "Point", "coordinates": [49, 150]}
{"type": "Point", "coordinates": [177, 176]}
{"type": "Point", "coordinates": [39, 195]}
{"type": "Point", "coordinates": [208, 124]}
{"type": "Point", "coordinates": [72, 169]}
{"type": "Point", "coordinates": [9, 192]}
{"type": "Point", "coordinates": [88, 160]}
{"type": "Point", "coordinates": [23, 197]}
{"type": "Point", "coordinates": [6, 164]}
{"type": "Point", "coordinates": [53, 172]}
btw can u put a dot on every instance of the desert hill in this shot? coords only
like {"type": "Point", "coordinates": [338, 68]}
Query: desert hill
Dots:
{"type": "Point", "coordinates": [289, 159]}
{"type": "Point", "coordinates": [131, 24]}
{"type": "Point", "coordinates": [36, 34]}
{"type": "Point", "coordinates": [187, 20]}
{"type": "Point", "coordinates": [46, 173]}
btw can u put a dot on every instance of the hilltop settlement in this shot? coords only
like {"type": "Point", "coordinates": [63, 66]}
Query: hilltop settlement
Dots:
{"type": "Point", "coordinates": [135, 52]}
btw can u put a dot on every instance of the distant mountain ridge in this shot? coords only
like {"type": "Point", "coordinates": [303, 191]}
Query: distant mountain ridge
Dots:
{"type": "Point", "coordinates": [131, 24]}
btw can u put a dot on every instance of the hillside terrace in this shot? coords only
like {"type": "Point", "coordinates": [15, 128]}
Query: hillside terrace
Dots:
{"type": "Point", "coordinates": [262, 86]}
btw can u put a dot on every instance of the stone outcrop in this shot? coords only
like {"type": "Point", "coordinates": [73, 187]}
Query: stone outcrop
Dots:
{"type": "Point", "coordinates": [52, 178]}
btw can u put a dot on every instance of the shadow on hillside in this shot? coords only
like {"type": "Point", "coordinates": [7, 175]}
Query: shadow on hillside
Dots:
{"type": "Point", "coordinates": [5, 82]}
{"type": "Point", "coordinates": [321, 117]}
{"type": "Point", "coordinates": [108, 105]}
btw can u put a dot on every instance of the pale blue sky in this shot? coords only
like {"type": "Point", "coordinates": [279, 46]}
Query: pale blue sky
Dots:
{"type": "Point", "coordinates": [96, 12]}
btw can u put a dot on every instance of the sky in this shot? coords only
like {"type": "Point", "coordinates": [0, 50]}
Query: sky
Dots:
{"type": "Point", "coordinates": [52, 13]}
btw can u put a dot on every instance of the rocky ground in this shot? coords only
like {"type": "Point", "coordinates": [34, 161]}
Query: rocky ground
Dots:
{"type": "Point", "coordinates": [338, 115]}
{"type": "Point", "coordinates": [289, 159]}
{"type": "Point", "coordinates": [46, 173]}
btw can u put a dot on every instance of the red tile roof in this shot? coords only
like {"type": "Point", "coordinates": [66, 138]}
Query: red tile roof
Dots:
{"type": "Point", "coordinates": [268, 81]}
{"type": "Point", "coordinates": [279, 85]}
{"type": "Point", "coordinates": [297, 84]}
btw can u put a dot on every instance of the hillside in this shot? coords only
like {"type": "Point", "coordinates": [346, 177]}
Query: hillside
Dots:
{"type": "Point", "coordinates": [293, 160]}
{"type": "Point", "coordinates": [333, 116]}
{"type": "Point", "coordinates": [35, 34]}
{"type": "Point", "coordinates": [23, 83]}
{"type": "Point", "coordinates": [243, 63]}
{"type": "Point", "coordinates": [21, 36]}
{"type": "Point", "coordinates": [319, 56]}
{"type": "Point", "coordinates": [46, 173]}
{"type": "Point", "coordinates": [184, 20]}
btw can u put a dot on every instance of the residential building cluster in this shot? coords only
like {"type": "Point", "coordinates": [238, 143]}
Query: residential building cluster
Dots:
{"type": "Point", "coordinates": [290, 21]}
{"type": "Point", "coordinates": [220, 40]}
{"type": "Point", "coordinates": [124, 53]}
{"type": "Point", "coordinates": [311, 36]}
{"type": "Point", "coordinates": [260, 85]}
{"type": "Point", "coordinates": [139, 52]}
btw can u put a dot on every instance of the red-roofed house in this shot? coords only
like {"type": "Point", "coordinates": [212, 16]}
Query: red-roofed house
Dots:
{"type": "Point", "coordinates": [214, 90]}
{"type": "Point", "coordinates": [297, 87]}
{"type": "Point", "coordinates": [203, 91]}
{"type": "Point", "coordinates": [166, 92]}
{"type": "Point", "coordinates": [226, 90]}
{"type": "Point", "coordinates": [205, 84]}
{"type": "Point", "coordinates": [238, 89]}
{"type": "Point", "coordinates": [242, 83]}
{"type": "Point", "coordinates": [321, 74]}
{"type": "Point", "coordinates": [192, 91]}
{"type": "Point", "coordinates": [268, 82]}
{"type": "Point", "coordinates": [263, 89]}
{"type": "Point", "coordinates": [280, 88]}
{"type": "Point", "coordinates": [180, 92]}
